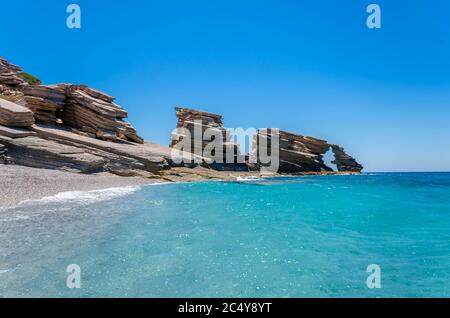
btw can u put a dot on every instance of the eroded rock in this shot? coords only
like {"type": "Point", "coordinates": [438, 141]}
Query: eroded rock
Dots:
{"type": "Point", "coordinates": [14, 115]}
{"type": "Point", "coordinates": [192, 124]}
{"type": "Point", "coordinates": [10, 76]}
{"type": "Point", "coordinates": [297, 153]}
{"type": "Point", "coordinates": [345, 162]}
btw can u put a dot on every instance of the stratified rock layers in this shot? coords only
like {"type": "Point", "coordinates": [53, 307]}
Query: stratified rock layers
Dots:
{"type": "Point", "coordinates": [192, 124]}
{"type": "Point", "coordinates": [45, 102]}
{"type": "Point", "coordinates": [78, 128]}
{"type": "Point", "coordinates": [81, 107]}
{"type": "Point", "coordinates": [297, 153]}
{"type": "Point", "coordinates": [69, 127]}
{"type": "Point", "coordinates": [14, 115]}
{"type": "Point", "coordinates": [78, 106]}
{"type": "Point", "coordinates": [345, 162]}
{"type": "Point", "coordinates": [11, 79]}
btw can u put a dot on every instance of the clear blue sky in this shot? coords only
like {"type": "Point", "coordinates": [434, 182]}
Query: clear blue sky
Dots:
{"type": "Point", "coordinates": [311, 67]}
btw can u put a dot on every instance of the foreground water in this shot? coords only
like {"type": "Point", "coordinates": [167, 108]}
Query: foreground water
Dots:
{"type": "Point", "coordinates": [285, 237]}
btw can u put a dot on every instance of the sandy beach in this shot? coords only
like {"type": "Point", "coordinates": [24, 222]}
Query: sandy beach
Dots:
{"type": "Point", "coordinates": [19, 183]}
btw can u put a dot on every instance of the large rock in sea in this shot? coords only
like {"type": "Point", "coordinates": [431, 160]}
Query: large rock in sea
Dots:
{"type": "Point", "coordinates": [345, 162]}
{"type": "Point", "coordinates": [297, 153]}
{"type": "Point", "coordinates": [302, 154]}
{"type": "Point", "coordinates": [192, 121]}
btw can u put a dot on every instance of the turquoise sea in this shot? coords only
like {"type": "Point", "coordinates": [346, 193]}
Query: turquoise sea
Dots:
{"type": "Point", "coordinates": [281, 237]}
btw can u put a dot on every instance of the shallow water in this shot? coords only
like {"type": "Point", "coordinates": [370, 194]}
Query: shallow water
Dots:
{"type": "Point", "coordinates": [284, 237]}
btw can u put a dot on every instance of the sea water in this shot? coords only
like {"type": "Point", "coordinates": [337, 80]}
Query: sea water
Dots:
{"type": "Point", "coordinates": [281, 237]}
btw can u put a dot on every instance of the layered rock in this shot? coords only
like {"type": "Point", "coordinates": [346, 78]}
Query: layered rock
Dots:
{"type": "Point", "coordinates": [15, 132]}
{"type": "Point", "coordinates": [192, 124]}
{"type": "Point", "coordinates": [96, 114]}
{"type": "Point", "coordinates": [297, 153]}
{"type": "Point", "coordinates": [14, 115]}
{"type": "Point", "coordinates": [79, 106]}
{"type": "Point", "coordinates": [39, 153]}
{"type": "Point", "coordinates": [90, 111]}
{"type": "Point", "coordinates": [345, 162]}
{"type": "Point", "coordinates": [59, 148]}
{"type": "Point", "coordinates": [46, 102]}
{"type": "Point", "coordinates": [11, 75]}
{"type": "Point", "coordinates": [75, 125]}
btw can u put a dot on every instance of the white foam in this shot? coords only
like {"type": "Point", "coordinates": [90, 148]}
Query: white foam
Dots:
{"type": "Point", "coordinates": [85, 197]}
{"type": "Point", "coordinates": [248, 179]}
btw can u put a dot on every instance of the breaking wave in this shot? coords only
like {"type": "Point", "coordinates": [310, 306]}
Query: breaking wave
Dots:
{"type": "Point", "coordinates": [84, 197]}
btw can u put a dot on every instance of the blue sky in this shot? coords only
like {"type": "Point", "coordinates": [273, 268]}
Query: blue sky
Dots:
{"type": "Point", "coordinates": [311, 67]}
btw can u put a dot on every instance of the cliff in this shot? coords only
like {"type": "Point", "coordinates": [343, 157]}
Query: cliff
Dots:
{"type": "Point", "coordinates": [69, 127]}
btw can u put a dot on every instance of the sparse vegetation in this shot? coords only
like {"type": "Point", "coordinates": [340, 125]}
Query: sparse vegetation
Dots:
{"type": "Point", "coordinates": [32, 80]}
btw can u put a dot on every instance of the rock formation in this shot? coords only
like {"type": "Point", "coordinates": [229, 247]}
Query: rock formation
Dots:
{"type": "Point", "coordinates": [88, 110]}
{"type": "Point", "coordinates": [74, 127]}
{"type": "Point", "coordinates": [46, 102]}
{"type": "Point", "coordinates": [79, 106]}
{"type": "Point", "coordinates": [96, 114]}
{"type": "Point", "coordinates": [14, 115]}
{"type": "Point", "coordinates": [193, 122]}
{"type": "Point", "coordinates": [60, 148]}
{"type": "Point", "coordinates": [80, 129]}
{"type": "Point", "coordinates": [10, 74]}
{"type": "Point", "coordinates": [345, 162]}
{"type": "Point", "coordinates": [13, 79]}
{"type": "Point", "coordinates": [299, 154]}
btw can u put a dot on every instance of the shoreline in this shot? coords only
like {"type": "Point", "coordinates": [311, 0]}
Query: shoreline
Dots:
{"type": "Point", "coordinates": [19, 184]}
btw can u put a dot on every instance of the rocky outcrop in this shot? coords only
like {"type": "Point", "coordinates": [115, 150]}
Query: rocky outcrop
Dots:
{"type": "Point", "coordinates": [297, 153]}
{"type": "Point", "coordinates": [192, 124]}
{"type": "Point", "coordinates": [11, 77]}
{"type": "Point", "coordinates": [39, 153]}
{"type": "Point", "coordinates": [301, 154]}
{"type": "Point", "coordinates": [118, 156]}
{"type": "Point", "coordinates": [96, 114]}
{"type": "Point", "coordinates": [14, 115]}
{"type": "Point", "coordinates": [88, 110]}
{"type": "Point", "coordinates": [80, 129]}
{"type": "Point", "coordinates": [345, 162]}
{"type": "Point", "coordinates": [74, 130]}
{"type": "Point", "coordinates": [59, 148]}
{"type": "Point", "coordinates": [46, 102]}
{"type": "Point", "coordinates": [79, 106]}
